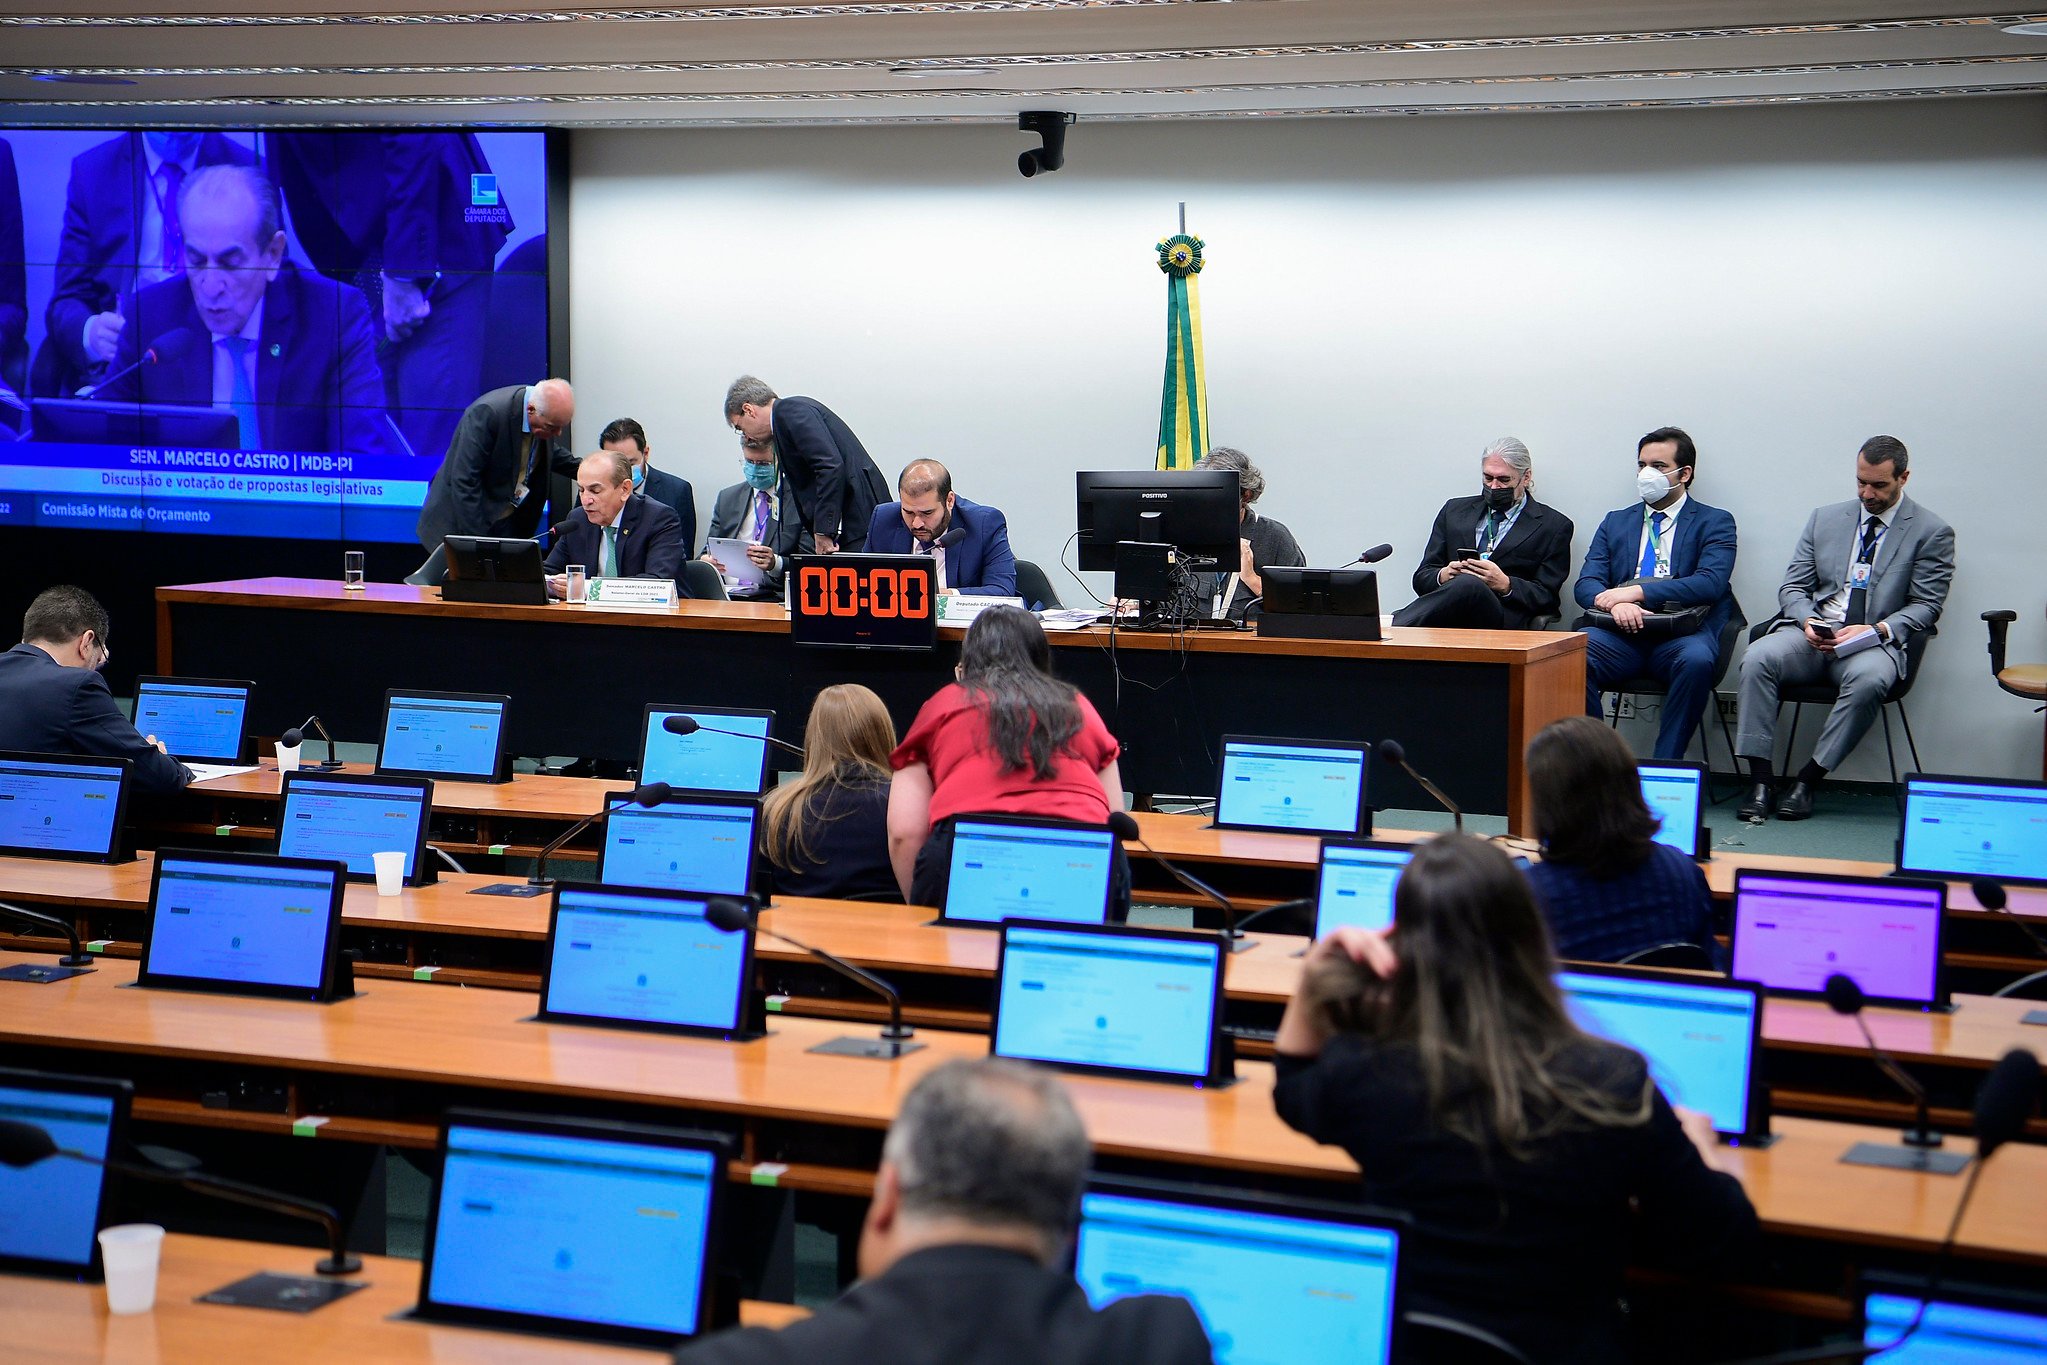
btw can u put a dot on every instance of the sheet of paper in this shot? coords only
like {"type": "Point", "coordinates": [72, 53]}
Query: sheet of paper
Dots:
{"type": "Point", "coordinates": [206, 772]}
{"type": "Point", "coordinates": [739, 571]}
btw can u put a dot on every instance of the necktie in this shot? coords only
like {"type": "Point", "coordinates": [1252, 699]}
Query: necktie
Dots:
{"type": "Point", "coordinates": [760, 515]}
{"type": "Point", "coordinates": [1858, 598]}
{"type": "Point", "coordinates": [1650, 545]}
{"type": "Point", "coordinates": [608, 568]}
{"type": "Point", "coordinates": [242, 394]}
{"type": "Point", "coordinates": [1492, 533]}
{"type": "Point", "coordinates": [173, 231]}
{"type": "Point", "coordinates": [525, 474]}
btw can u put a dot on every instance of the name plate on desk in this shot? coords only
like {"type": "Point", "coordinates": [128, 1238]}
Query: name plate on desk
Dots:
{"type": "Point", "coordinates": [958, 609]}
{"type": "Point", "coordinates": [631, 592]}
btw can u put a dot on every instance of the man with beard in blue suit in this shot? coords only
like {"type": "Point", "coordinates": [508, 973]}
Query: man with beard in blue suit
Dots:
{"type": "Point", "coordinates": [977, 562]}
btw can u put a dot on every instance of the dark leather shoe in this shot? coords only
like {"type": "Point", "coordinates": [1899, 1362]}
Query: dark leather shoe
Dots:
{"type": "Point", "coordinates": [1756, 809]}
{"type": "Point", "coordinates": [1796, 804]}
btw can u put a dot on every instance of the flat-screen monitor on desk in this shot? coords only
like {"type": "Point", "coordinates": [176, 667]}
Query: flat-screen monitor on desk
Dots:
{"type": "Point", "coordinates": [197, 720]}
{"type": "Point", "coordinates": [1675, 791]}
{"type": "Point", "coordinates": [1355, 881]}
{"type": "Point", "coordinates": [51, 1212]}
{"type": "Point", "coordinates": [1793, 930]}
{"type": "Point", "coordinates": [1963, 1325]}
{"type": "Point", "coordinates": [706, 760]}
{"type": "Point", "coordinates": [1966, 828]}
{"type": "Point", "coordinates": [1195, 510]}
{"type": "Point", "coordinates": [56, 806]}
{"type": "Point", "coordinates": [459, 736]}
{"type": "Point", "coordinates": [350, 818]}
{"type": "Point", "coordinates": [636, 958]}
{"type": "Point", "coordinates": [1295, 786]}
{"type": "Point", "coordinates": [100, 422]}
{"type": "Point", "coordinates": [1011, 867]}
{"type": "Point", "coordinates": [694, 841]}
{"type": "Point", "coordinates": [1701, 1036]}
{"type": "Point", "coordinates": [245, 924]}
{"type": "Point", "coordinates": [493, 569]}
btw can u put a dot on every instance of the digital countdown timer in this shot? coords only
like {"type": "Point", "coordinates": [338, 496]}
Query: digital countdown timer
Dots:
{"type": "Point", "coordinates": [862, 601]}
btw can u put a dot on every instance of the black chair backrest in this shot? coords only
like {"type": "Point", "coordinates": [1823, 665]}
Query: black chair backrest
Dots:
{"type": "Point", "coordinates": [1915, 650]}
{"type": "Point", "coordinates": [701, 583]}
{"type": "Point", "coordinates": [434, 572]}
{"type": "Point", "coordinates": [1729, 634]}
{"type": "Point", "coordinates": [1687, 956]}
{"type": "Point", "coordinates": [1034, 588]}
{"type": "Point", "coordinates": [1432, 1339]}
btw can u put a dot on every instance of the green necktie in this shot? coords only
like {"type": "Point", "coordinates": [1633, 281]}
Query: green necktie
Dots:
{"type": "Point", "coordinates": [608, 567]}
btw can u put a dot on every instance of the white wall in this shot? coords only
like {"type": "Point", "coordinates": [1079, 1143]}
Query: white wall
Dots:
{"type": "Point", "coordinates": [1382, 297]}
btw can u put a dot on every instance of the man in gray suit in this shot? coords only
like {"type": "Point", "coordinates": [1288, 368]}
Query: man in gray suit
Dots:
{"type": "Point", "coordinates": [1867, 577]}
{"type": "Point", "coordinates": [762, 512]}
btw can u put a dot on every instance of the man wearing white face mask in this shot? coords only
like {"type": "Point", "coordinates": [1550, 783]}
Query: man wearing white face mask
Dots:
{"type": "Point", "coordinates": [1657, 580]}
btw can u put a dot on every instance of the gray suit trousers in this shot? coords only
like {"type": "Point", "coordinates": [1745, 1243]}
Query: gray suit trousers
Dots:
{"type": "Point", "coordinates": [1785, 658]}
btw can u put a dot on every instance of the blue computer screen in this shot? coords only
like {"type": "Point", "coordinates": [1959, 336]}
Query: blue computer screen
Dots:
{"type": "Point", "coordinates": [575, 1228]}
{"type": "Point", "coordinates": [647, 959]}
{"type": "Point", "coordinates": [442, 735]}
{"type": "Point", "coordinates": [1307, 787]}
{"type": "Point", "coordinates": [1954, 1333]}
{"type": "Point", "coordinates": [679, 846]}
{"type": "Point", "coordinates": [1271, 1289]}
{"type": "Point", "coordinates": [51, 807]}
{"type": "Point", "coordinates": [1097, 999]}
{"type": "Point", "coordinates": [1969, 829]}
{"type": "Point", "coordinates": [1792, 933]}
{"type": "Point", "coordinates": [1004, 872]}
{"type": "Point", "coordinates": [1356, 886]}
{"type": "Point", "coordinates": [49, 1211]}
{"type": "Point", "coordinates": [198, 721]}
{"type": "Point", "coordinates": [347, 821]}
{"type": "Point", "coordinates": [1673, 797]}
{"type": "Point", "coordinates": [704, 761]}
{"type": "Point", "coordinates": [239, 922]}
{"type": "Point", "coordinates": [1696, 1037]}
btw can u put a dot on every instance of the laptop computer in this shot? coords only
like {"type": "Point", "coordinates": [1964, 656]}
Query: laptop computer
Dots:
{"type": "Point", "coordinates": [349, 817]}
{"type": "Point", "coordinates": [1013, 867]}
{"type": "Point", "coordinates": [203, 721]}
{"type": "Point", "coordinates": [1354, 882]}
{"type": "Point", "coordinates": [1294, 786]}
{"type": "Point", "coordinates": [58, 806]}
{"type": "Point", "coordinates": [1702, 1037]}
{"type": "Point", "coordinates": [574, 1227]}
{"type": "Point", "coordinates": [1676, 792]}
{"type": "Point", "coordinates": [1964, 1324]}
{"type": "Point", "coordinates": [459, 736]}
{"type": "Point", "coordinates": [51, 1212]}
{"type": "Point", "coordinates": [1966, 828]}
{"type": "Point", "coordinates": [1142, 1003]}
{"type": "Point", "coordinates": [1271, 1278]}
{"type": "Point", "coordinates": [629, 957]}
{"type": "Point", "coordinates": [245, 924]}
{"type": "Point", "coordinates": [694, 841]}
{"type": "Point", "coordinates": [1793, 930]}
{"type": "Point", "coordinates": [706, 761]}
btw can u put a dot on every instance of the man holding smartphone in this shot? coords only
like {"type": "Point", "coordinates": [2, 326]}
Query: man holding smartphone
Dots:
{"type": "Point", "coordinates": [1496, 561]}
{"type": "Point", "coordinates": [1866, 576]}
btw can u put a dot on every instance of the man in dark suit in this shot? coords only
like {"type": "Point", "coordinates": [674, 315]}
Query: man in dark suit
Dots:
{"type": "Point", "coordinates": [493, 480]}
{"type": "Point", "coordinates": [761, 512]}
{"type": "Point", "coordinates": [978, 563]}
{"type": "Point", "coordinates": [962, 1256]}
{"type": "Point", "coordinates": [121, 233]}
{"type": "Point", "coordinates": [629, 439]}
{"type": "Point", "coordinates": [53, 700]}
{"type": "Point", "coordinates": [1524, 552]}
{"type": "Point", "coordinates": [616, 533]}
{"type": "Point", "coordinates": [13, 284]}
{"type": "Point", "coordinates": [837, 486]}
{"type": "Point", "coordinates": [243, 329]}
{"type": "Point", "coordinates": [1669, 553]}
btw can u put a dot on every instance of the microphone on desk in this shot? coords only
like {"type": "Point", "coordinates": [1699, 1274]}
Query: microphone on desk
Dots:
{"type": "Point", "coordinates": [1124, 826]}
{"type": "Point", "coordinates": [689, 725]}
{"type": "Point", "coordinates": [647, 794]}
{"type": "Point", "coordinates": [76, 958]}
{"type": "Point", "coordinates": [171, 345]}
{"type": "Point", "coordinates": [1844, 996]}
{"type": "Point", "coordinates": [1371, 556]}
{"type": "Point", "coordinates": [25, 1144]}
{"type": "Point", "coordinates": [732, 915]}
{"type": "Point", "coordinates": [950, 538]}
{"type": "Point", "coordinates": [292, 738]}
{"type": "Point", "coordinates": [1990, 895]}
{"type": "Point", "coordinates": [1389, 751]}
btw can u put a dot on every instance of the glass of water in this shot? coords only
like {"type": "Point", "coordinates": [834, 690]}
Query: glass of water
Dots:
{"type": "Point", "coordinates": [351, 570]}
{"type": "Point", "coordinates": [578, 583]}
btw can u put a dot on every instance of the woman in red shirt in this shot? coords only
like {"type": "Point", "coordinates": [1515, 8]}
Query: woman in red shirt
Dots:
{"type": "Point", "coordinates": [1007, 737]}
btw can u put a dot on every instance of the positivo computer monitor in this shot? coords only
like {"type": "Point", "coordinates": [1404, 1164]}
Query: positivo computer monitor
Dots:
{"type": "Point", "coordinates": [1197, 511]}
{"type": "Point", "coordinates": [457, 736]}
{"type": "Point", "coordinates": [1701, 1036]}
{"type": "Point", "coordinates": [51, 1212]}
{"type": "Point", "coordinates": [727, 753]}
{"type": "Point", "coordinates": [245, 924]}
{"type": "Point", "coordinates": [1295, 786]}
{"type": "Point", "coordinates": [1793, 930]}
{"type": "Point", "coordinates": [694, 841]}
{"type": "Point", "coordinates": [1967, 828]}
{"type": "Point", "coordinates": [1675, 791]}
{"type": "Point", "coordinates": [630, 957]}
{"type": "Point", "coordinates": [351, 818]}
{"type": "Point", "coordinates": [508, 572]}
{"type": "Point", "coordinates": [55, 806]}
{"type": "Point", "coordinates": [1355, 881]}
{"type": "Point", "coordinates": [1014, 867]}
{"type": "Point", "coordinates": [197, 720]}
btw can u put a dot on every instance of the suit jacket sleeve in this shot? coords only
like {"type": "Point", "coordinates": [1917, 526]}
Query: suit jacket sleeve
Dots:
{"type": "Point", "coordinates": [80, 291]}
{"type": "Point", "coordinates": [13, 274]}
{"type": "Point", "coordinates": [812, 450]}
{"type": "Point", "coordinates": [1708, 582]}
{"type": "Point", "coordinates": [359, 381]}
{"type": "Point", "coordinates": [1933, 569]}
{"type": "Point", "coordinates": [1435, 555]}
{"type": "Point", "coordinates": [98, 727]}
{"type": "Point", "coordinates": [1597, 575]}
{"type": "Point", "coordinates": [877, 526]}
{"type": "Point", "coordinates": [1541, 595]}
{"type": "Point", "coordinates": [468, 454]}
{"type": "Point", "coordinates": [998, 563]}
{"type": "Point", "coordinates": [1796, 597]}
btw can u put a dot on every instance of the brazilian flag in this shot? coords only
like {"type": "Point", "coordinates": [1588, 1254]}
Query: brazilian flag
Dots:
{"type": "Point", "coordinates": [1183, 410]}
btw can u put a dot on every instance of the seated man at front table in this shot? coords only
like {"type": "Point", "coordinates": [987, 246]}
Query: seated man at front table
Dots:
{"type": "Point", "coordinates": [1879, 566]}
{"type": "Point", "coordinates": [615, 533]}
{"type": "Point", "coordinates": [963, 1252]}
{"type": "Point", "coordinates": [1667, 555]}
{"type": "Point", "coordinates": [976, 562]}
{"type": "Point", "coordinates": [761, 511]}
{"type": "Point", "coordinates": [53, 700]}
{"type": "Point", "coordinates": [1496, 561]}
{"type": "Point", "coordinates": [1261, 541]}
{"type": "Point", "coordinates": [629, 439]}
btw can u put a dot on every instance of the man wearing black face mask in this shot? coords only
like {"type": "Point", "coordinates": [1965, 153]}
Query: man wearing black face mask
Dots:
{"type": "Point", "coordinates": [1496, 561]}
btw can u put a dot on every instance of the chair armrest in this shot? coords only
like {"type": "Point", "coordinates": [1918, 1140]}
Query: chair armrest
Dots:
{"type": "Point", "coordinates": [2000, 626]}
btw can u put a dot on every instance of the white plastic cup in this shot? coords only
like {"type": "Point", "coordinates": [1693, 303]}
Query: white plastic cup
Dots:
{"type": "Point", "coordinates": [130, 1253]}
{"type": "Point", "coordinates": [390, 873]}
{"type": "Point", "coordinates": [288, 757]}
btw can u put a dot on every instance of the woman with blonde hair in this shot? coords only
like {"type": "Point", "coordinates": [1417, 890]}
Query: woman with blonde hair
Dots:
{"type": "Point", "coordinates": [826, 833]}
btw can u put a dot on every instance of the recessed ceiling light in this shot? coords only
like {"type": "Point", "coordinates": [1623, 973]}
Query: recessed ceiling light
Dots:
{"type": "Point", "coordinates": [75, 78]}
{"type": "Point", "coordinates": [2027, 30]}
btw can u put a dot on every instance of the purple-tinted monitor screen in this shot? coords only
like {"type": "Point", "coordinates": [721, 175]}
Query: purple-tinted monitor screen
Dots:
{"type": "Point", "coordinates": [1792, 933]}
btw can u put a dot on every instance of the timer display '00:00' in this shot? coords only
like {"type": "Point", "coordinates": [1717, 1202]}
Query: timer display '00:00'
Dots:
{"type": "Point", "coordinates": [828, 590]}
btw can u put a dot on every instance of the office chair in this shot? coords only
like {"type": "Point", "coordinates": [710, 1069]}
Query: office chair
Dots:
{"type": "Point", "coordinates": [1803, 695]}
{"type": "Point", "coordinates": [434, 572]}
{"type": "Point", "coordinates": [1034, 588]}
{"type": "Point", "coordinates": [2021, 680]}
{"type": "Point", "coordinates": [700, 582]}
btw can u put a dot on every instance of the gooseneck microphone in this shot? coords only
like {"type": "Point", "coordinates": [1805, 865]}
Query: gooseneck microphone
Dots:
{"type": "Point", "coordinates": [732, 915]}
{"type": "Point", "coordinates": [1389, 751]}
{"type": "Point", "coordinates": [1124, 826]}
{"type": "Point", "coordinates": [294, 737]}
{"type": "Point", "coordinates": [77, 956]}
{"type": "Point", "coordinates": [25, 1144]}
{"type": "Point", "coordinates": [689, 725]}
{"type": "Point", "coordinates": [1844, 996]}
{"type": "Point", "coordinates": [648, 794]}
{"type": "Point", "coordinates": [172, 345]}
{"type": "Point", "coordinates": [1990, 895]}
{"type": "Point", "coordinates": [1371, 556]}
{"type": "Point", "coordinates": [950, 538]}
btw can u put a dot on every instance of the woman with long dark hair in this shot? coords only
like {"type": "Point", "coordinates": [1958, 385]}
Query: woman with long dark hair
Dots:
{"type": "Point", "coordinates": [1005, 737]}
{"type": "Point", "coordinates": [1530, 1155]}
{"type": "Point", "coordinates": [826, 833]}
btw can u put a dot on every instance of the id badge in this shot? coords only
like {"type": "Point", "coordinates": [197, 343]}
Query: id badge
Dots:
{"type": "Point", "coordinates": [1858, 576]}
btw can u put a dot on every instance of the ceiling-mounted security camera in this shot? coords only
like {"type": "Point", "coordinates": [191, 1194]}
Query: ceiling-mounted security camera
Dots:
{"type": "Point", "coordinates": [1050, 125]}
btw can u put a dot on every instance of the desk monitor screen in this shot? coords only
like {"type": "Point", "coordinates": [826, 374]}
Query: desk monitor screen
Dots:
{"type": "Point", "coordinates": [243, 923]}
{"type": "Point", "coordinates": [1964, 1325]}
{"type": "Point", "coordinates": [1699, 1035]}
{"type": "Point", "coordinates": [573, 1226]}
{"type": "Point", "coordinates": [459, 735]}
{"type": "Point", "coordinates": [642, 958]}
{"type": "Point", "coordinates": [1028, 869]}
{"type": "Point", "coordinates": [1675, 791]}
{"type": "Point", "coordinates": [51, 1212]}
{"type": "Point", "coordinates": [1271, 1279]}
{"type": "Point", "coordinates": [1794, 930]}
{"type": "Point", "coordinates": [1355, 881]}
{"type": "Point", "coordinates": [349, 818]}
{"type": "Point", "coordinates": [693, 842]}
{"type": "Point", "coordinates": [706, 761]}
{"type": "Point", "coordinates": [1970, 827]}
{"type": "Point", "coordinates": [1296, 786]}
{"type": "Point", "coordinates": [52, 806]}
{"type": "Point", "coordinates": [198, 720]}
{"type": "Point", "coordinates": [1130, 1002]}
{"type": "Point", "coordinates": [1196, 510]}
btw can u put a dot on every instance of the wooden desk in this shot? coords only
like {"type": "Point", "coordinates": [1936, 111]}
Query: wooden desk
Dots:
{"type": "Point", "coordinates": [50, 1322]}
{"type": "Point", "coordinates": [1464, 703]}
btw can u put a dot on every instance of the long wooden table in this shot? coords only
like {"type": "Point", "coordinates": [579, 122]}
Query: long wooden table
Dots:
{"type": "Point", "coordinates": [1463, 703]}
